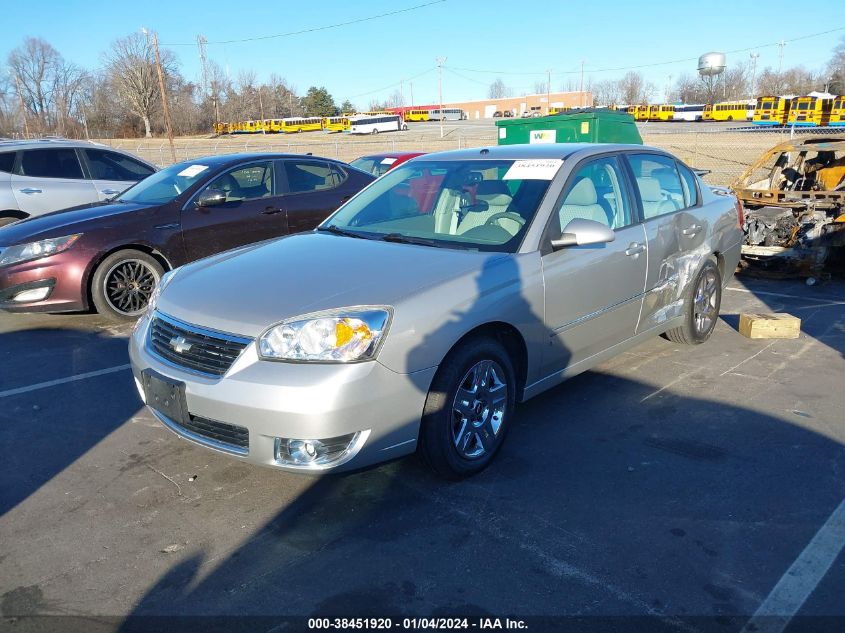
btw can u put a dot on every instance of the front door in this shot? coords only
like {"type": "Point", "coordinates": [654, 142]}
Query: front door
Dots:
{"type": "Point", "coordinates": [250, 213]}
{"type": "Point", "coordinates": [593, 293]}
{"type": "Point", "coordinates": [49, 179]}
{"type": "Point", "coordinates": [113, 172]}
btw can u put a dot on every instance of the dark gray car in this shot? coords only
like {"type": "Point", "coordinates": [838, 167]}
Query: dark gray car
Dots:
{"type": "Point", "coordinates": [416, 316]}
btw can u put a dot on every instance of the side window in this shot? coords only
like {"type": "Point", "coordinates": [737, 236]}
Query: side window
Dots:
{"type": "Point", "coordinates": [658, 183]}
{"type": "Point", "coordinates": [107, 165]}
{"type": "Point", "coordinates": [7, 161]}
{"type": "Point", "coordinates": [597, 192]}
{"type": "Point", "coordinates": [689, 184]}
{"type": "Point", "coordinates": [51, 163]}
{"type": "Point", "coordinates": [305, 176]}
{"type": "Point", "coordinates": [246, 183]}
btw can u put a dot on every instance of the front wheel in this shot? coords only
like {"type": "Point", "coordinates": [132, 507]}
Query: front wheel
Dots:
{"type": "Point", "coordinates": [123, 284]}
{"type": "Point", "coordinates": [468, 409]}
{"type": "Point", "coordinates": [375, 131]}
{"type": "Point", "coordinates": [702, 301]}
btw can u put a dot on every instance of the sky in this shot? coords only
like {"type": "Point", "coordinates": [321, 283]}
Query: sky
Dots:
{"type": "Point", "coordinates": [481, 40]}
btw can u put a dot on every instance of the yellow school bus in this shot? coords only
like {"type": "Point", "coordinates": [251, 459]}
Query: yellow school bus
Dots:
{"type": "Point", "coordinates": [219, 128]}
{"type": "Point", "coordinates": [729, 111]}
{"type": "Point", "coordinates": [772, 110]}
{"type": "Point", "coordinates": [416, 115]}
{"type": "Point", "coordinates": [335, 123]}
{"type": "Point", "coordinates": [250, 127]}
{"type": "Point", "coordinates": [641, 112]}
{"type": "Point", "coordinates": [809, 112]}
{"type": "Point", "coordinates": [662, 112]}
{"type": "Point", "coordinates": [292, 125]}
{"type": "Point", "coordinates": [554, 110]}
{"type": "Point", "coordinates": [837, 112]}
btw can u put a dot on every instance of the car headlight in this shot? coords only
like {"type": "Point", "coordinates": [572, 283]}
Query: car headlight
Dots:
{"type": "Point", "coordinates": [337, 336]}
{"type": "Point", "coordinates": [36, 250]}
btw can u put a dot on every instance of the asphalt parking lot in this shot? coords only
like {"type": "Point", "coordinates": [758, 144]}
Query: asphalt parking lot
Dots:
{"type": "Point", "coordinates": [697, 486]}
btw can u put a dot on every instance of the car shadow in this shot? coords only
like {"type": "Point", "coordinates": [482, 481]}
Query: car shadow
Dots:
{"type": "Point", "coordinates": [39, 438]}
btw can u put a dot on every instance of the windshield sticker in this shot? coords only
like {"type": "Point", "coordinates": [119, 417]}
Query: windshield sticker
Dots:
{"type": "Point", "coordinates": [543, 136]}
{"type": "Point", "coordinates": [503, 133]}
{"type": "Point", "coordinates": [535, 169]}
{"type": "Point", "coordinates": [388, 161]}
{"type": "Point", "coordinates": [193, 170]}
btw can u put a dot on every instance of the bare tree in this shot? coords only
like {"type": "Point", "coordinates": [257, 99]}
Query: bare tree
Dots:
{"type": "Point", "coordinates": [539, 87]}
{"type": "Point", "coordinates": [836, 69]}
{"type": "Point", "coordinates": [131, 68]}
{"type": "Point", "coordinates": [689, 89]}
{"type": "Point", "coordinates": [498, 89]}
{"type": "Point", "coordinates": [635, 89]}
{"type": "Point", "coordinates": [606, 93]}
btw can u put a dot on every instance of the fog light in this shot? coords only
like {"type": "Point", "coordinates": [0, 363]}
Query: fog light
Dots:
{"type": "Point", "coordinates": [313, 454]}
{"type": "Point", "coordinates": [34, 294]}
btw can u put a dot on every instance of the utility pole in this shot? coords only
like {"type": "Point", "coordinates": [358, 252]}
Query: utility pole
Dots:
{"type": "Point", "coordinates": [754, 57]}
{"type": "Point", "coordinates": [261, 105]}
{"type": "Point", "coordinates": [548, 89]}
{"type": "Point", "coordinates": [201, 42]}
{"type": "Point", "coordinates": [581, 97]}
{"type": "Point", "coordinates": [23, 107]}
{"type": "Point", "coordinates": [668, 87]}
{"type": "Point", "coordinates": [781, 45]}
{"type": "Point", "coordinates": [412, 94]}
{"type": "Point", "coordinates": [440, 62]}
{"type": "Point", "coordinates": [401, 92]}
{"type": "Point", "coordinates": [168, 123]}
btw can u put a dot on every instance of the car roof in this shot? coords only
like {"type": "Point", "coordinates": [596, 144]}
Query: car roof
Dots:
{"type": "Point", "coordinates": [229, 159]}
{"type": "Point", "coordinates": [537, 150]}
{"type": "Point", "coordinates": [16, 144]}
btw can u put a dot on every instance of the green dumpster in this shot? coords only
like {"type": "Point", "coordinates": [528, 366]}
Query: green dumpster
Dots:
{"type": "Point", "coordinates": [576, 126]}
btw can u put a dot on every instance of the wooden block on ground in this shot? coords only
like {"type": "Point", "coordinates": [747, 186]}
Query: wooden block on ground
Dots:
{"type": "Point", "coordinates": [772, 325]}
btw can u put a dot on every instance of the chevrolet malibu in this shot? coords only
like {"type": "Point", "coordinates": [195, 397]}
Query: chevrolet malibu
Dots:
{"type": "Point", "coordinates": [415, 317]}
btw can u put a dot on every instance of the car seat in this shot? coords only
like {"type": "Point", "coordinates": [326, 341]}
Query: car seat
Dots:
{"type": "Point", "coordinates": [582, 202]}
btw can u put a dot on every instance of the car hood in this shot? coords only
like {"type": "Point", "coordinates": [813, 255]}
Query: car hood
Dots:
{"type": "Point", "coordinates": [66, 222]}
{"type": "Point", "coordinates": [247, 290]}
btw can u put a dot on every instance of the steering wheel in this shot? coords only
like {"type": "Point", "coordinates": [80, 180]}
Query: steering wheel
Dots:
{"type": "Point", "coordinates": [510, 215]}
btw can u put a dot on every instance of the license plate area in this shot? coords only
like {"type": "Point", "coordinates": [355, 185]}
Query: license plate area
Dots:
{"type": "Point", "coordinates": [165, 395]}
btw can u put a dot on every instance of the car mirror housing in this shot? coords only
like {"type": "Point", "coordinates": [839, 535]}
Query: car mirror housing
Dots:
{"type": "Point", "coordinates": [211, 198]}
{"type": "Point", "coordinates": [582, 232]}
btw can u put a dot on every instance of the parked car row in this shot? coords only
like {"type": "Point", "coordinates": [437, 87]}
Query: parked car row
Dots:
{"type": "Point", "coordinates": [412, 319]}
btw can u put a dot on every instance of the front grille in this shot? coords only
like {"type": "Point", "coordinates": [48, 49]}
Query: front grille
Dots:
{"type": "Point", "coordinates": [231, 435]}
{"type": "Point", "coordinates": [193, 348]}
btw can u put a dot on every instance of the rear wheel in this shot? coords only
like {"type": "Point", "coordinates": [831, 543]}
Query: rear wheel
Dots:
{"type": "Point", "coordinates": [375, 131]}
{"type": "Point", "coordinates": [702, 301]}
{"type": "Point", "coordinates": [468, 409]}
{"type": "Point", "coordinates": [123, 283]}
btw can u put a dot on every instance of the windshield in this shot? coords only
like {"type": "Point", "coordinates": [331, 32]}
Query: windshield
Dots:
{"type": "Point", "coordinates": [482, 204]}
{"type": "Point", "coordinates": [165, 185]}
{"type": "Point", "coordinates": [375, 165]}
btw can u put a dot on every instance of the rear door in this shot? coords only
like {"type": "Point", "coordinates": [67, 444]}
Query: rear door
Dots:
{"type": "Point", "coordinates": [50, 178]}
{"type": "Point", "coordinates": [313, 190]}
{"type": "Point", "coordinates": [593, 293]}
{"type": "Point", "coordinates": [113, 172]}
{"type": "Point", "coordinates": [250, 214]}
{"type": "Point", "coordinates": [675, 229]}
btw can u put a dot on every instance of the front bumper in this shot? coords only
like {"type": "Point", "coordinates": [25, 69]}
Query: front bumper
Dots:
{"type": "Point", "coordinates": [63, 273]}
{"type": "Point", "coordinates": [274, 400]}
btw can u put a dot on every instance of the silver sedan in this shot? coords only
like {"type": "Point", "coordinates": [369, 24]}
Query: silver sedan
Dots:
{"type": "Point", "coordinates": [424, 309]}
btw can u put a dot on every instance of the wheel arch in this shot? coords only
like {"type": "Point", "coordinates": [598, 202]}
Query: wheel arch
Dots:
{"type": "Point", "coordinates": [13, 213]}
{"type": "Point", "coordinates": [95, 264]}
{"type": "Point", "coordinates": [511, 339]}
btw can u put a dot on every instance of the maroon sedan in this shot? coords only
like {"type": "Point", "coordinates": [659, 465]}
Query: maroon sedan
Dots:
{"type": "Point", "coordinates": [111, 255]}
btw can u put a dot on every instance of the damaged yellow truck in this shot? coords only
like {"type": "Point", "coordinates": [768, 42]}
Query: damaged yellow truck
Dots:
{"type": "Point", "coordinates": [794, 199]}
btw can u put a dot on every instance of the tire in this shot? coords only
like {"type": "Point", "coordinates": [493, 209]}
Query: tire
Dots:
{"type": "Point", "coordinates": [375, 131]}
{"type": "Point", "coordinates": [109, 292]}
{"type": "Point", "coordinates": [705, 291]}
{"type": "Point", "coordinates": [456, 446]}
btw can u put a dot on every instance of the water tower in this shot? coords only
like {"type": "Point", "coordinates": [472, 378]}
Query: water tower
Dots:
{"type": "Point", "coordinates": [710, 67]}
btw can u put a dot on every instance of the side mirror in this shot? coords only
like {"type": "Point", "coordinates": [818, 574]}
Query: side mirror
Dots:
{"type": "Point", "coordinates": [581, 232]}
{"type": "Point", "coordinates": [211, 198]}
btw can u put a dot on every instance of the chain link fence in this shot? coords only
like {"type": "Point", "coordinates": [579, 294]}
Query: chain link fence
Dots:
{"type": "Point", "coordinates": [725, 152]}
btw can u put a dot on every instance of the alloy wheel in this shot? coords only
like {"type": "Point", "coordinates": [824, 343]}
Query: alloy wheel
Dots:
{"type": "Point", "coordinates": [478, 410]}
{"type": "Point", "coordinates": [128, 286]}
{"type": "Point", "coordinates": [706, 292]}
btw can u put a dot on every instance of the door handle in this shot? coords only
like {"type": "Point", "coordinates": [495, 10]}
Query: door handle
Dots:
{"type": "Point", "coordinates": [634, 249]}
{"type": "Point", "coordinates": [691, 230]}
{"type": "Point", "coordinates": [272, 210]}
{"type": "Point", "coordinates": [29, 190]}
{"type": "Point", "coordinates": [109, 192]}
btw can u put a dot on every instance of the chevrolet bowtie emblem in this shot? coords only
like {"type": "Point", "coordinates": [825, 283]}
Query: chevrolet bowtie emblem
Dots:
{"type": "Point", "coordinates": [180, 345]}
